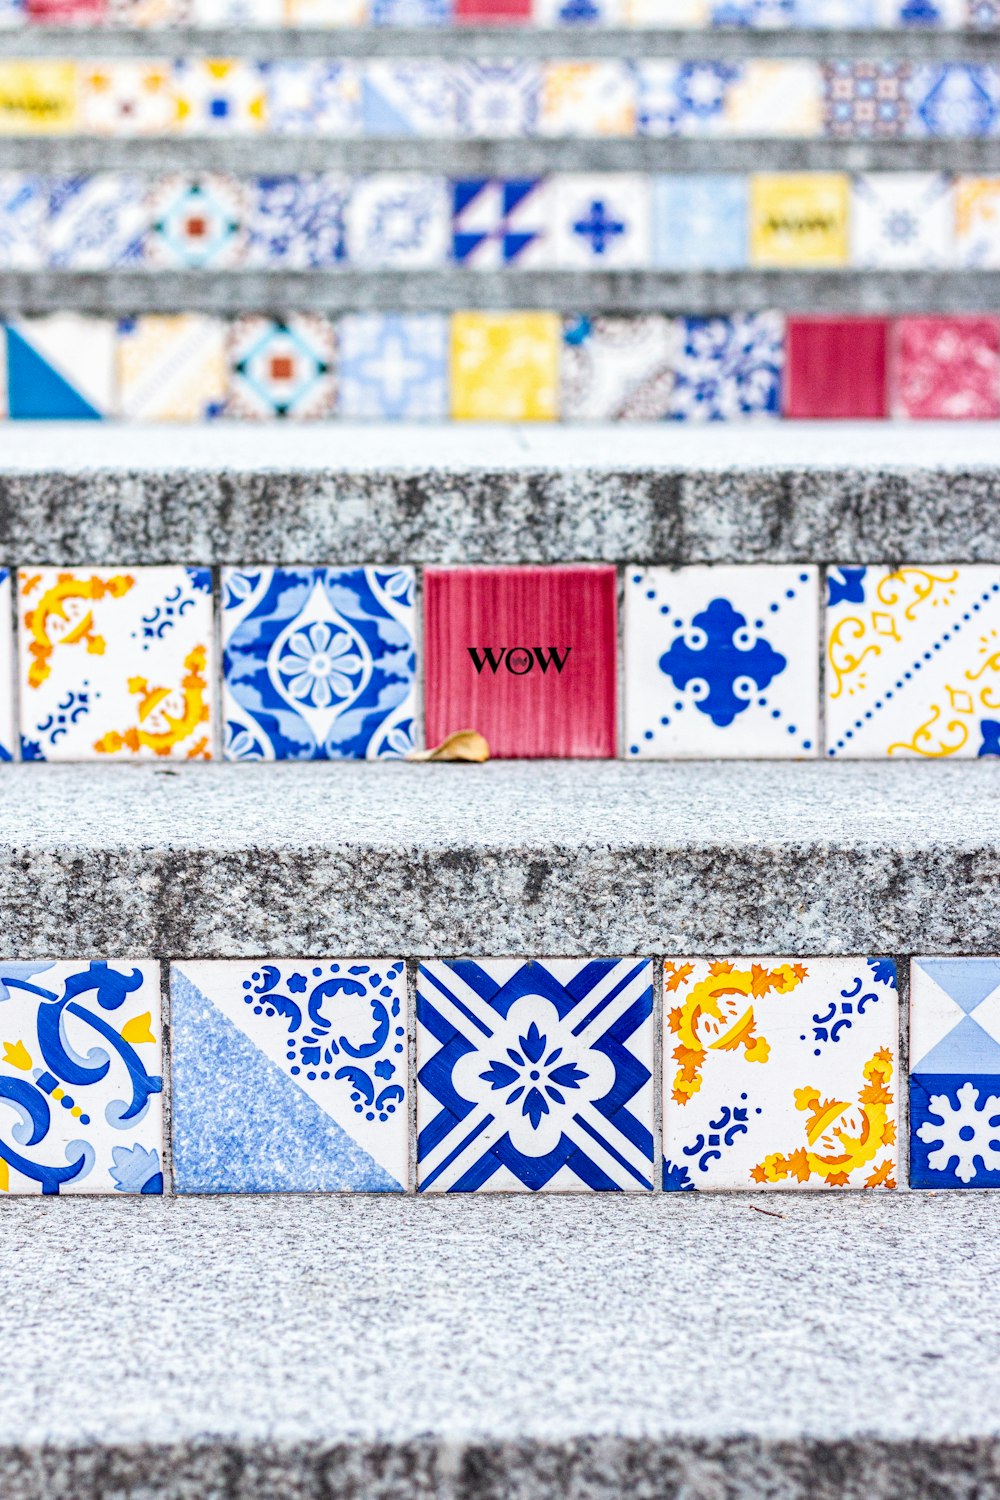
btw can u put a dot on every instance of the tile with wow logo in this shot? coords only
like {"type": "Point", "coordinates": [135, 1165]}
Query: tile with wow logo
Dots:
{"type": "Point", "coordinates": [81, 1069]}
{"type": "Point", "coordinates": [318, 663]}
{"type": "Point", "coordinates": [955, 1073]}
{"type": "Point", "coordinates": [913, 661]}
{"type": "Point", "coordinates": [40, 97]}
{"type": "Point", "coordinates": [780, 1073]}
{"type": "Point", "coordinates": [115, 665]}
{"type": "Point", "coordinates": [535, 1075]}
{"type": "Point", "coordinates": [799, 219]}
{"type": "Point", "coordinates": [289, 1075]}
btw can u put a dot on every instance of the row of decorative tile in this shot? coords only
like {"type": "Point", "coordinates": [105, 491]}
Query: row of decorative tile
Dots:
{"type": "Point", "coordinates": [530, 1075]}
{"type": "Point", "coordinates": [322, 663]}
{"type": "Point", "coordinates": [447, 99]}
{"type": "Point", "coordinates": [486, 366]}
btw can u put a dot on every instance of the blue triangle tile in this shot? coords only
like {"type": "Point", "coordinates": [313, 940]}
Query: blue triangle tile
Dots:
{"type": "Point", "coordinates": [36, 391]}
{"type": "Point", "coordinates": [967, 1048]}
{"type": "Point", "coordinates": [967, 980]}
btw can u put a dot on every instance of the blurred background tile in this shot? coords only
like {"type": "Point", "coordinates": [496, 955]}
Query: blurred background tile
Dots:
{"type": "Point", "coordinates": [498, 223]}
{"type": "Point", "coordinates": [504, 367]}
{"type": "Point", "coordinates": [61, 368]}
{"type": "Point", "coordinates": [729, 368]}
{"type": "Point", "coordinates": [601, 220]}
{"type": "Point", "coordinates": [297, 222]}
{"type": "Point", "coordinates": [172, 368]}
{"type": "Point", "coordinates": [399, 219]}
{"type": "Point", "coordinates": [902, 221]}
{"type": "Point", "coordinates": [700, 221]}
{"type": "Point", "coordinates": [836, 367]}
{"type": "Point", "coordinates": [393, 367]}
{"type": "Point", "coordinates": [282, 368]}
{"type": "Point", "coordinates": [618, 369]}
{"type": "Point", "coordinates": [197, 222]}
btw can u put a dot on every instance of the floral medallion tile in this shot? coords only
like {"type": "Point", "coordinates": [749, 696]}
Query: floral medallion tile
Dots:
{"type": "Point", "coordinates": [682, 98]}
{"type": "Point", "coordinates": [496, 223]}
{"type": "Point", "coordinates": [95, 223]}
{"type": "Point", "coordinates": [525, 655]}
{"type": "Point", "coordinates": [315, 1050]}
{"type": "Point", "coordinates": [865, 100]}
{"type": "Point", "coordinates": [954, 99]}
{"type": "Point", "coordinates": [977, 222]}
{"type": "Point", "coordinates": [282, 368]}
{"type": "Point", "coordinates": [699, 221]}
{"type": "Point", "coordinates": [729, 368]}
{"type": "Point", "coordinates": [497, 100]}
{"type": "Point", "coordinates": [407, 98]}
{"type": "Point", "coordinates": [412, 13]}
{"type": "Point", "coordinates": [947, 367]}
{"type": "Point", "coordinates": [721, 661]}
{"type": "Point", "coordinates": [196, 223]}
{"type": "Point", "coordinates": [221, 96]}
{"type": "Point", "coordinates": [124, 97]}
{"type": "Point", "coordinates": [799, 219]}
{"type": "Point", "coordinates": [534, 1075]}
{"type": "Point", "coordinates": [61, 368]}
{"type": "Point", "coordinates": [780, 1073]}
{"type": "Point", "coordinates": [81, 1070]}
{"type": "Point", "coordinates": [587, 98]}
{"type": "Point", "coordinates": [602, 219]}
{"type": "Point", "coordinates": [115, 665]}
{"type": "Point", "coordinates": [902, 221]}
{"type": "Point", "coordinates": [297, 222]}
{"type": "Point", "coordinates": [836, 367]}
{"type": "Point", "coordinates": [318, 663]}
{"type": "Point", "coordinates": [40, 97]}
{"type": "Point", "coordinates": [912, 665]}
{"type": "Point", "coordinates": [618, 369]}
{"type": "Point", "coordinates": [310, 96]}
{"type": "Point", "coordinates": [399, 219]}
{"type": "Point", "coordinates": [504, 367]}
{"type": "Point", "coordinates": [172, 367]}
{"type": "Point", "coordinates": [954, 1072]}
{"type": "Point", "coordinates": [393, 367]}
{"type": "Point", "coordinates": [7, 732]}
{"type": "Point", "coordinates": [24, 199]}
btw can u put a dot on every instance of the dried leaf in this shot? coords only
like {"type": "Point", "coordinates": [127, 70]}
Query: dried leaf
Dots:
{"type": "Point", "coordinates": [464, 744]}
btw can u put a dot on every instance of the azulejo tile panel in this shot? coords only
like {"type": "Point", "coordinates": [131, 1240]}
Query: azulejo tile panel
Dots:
{"type": "Point", "coordinates": [866, 100]}
{"type": "Point", "coordinates": [220, 96]}
{"type": "Point", "coordinates": [534, 1075]}
{"type": "Point", "coordinates": [393, 367]}
{"type": "Point", "coordinates": [81, 1073]}
{"type": "Point", "coordinates": [587, 98]}
{"type": "Point", "coordinates": [912, 666]}
{"type": "Point", "coordinates": [721, 661]}
{"type": "Point", "coordinates": [318, 663]}
{"type": "Point", "coordinates": [955, 1072]}
{"type": "Point", "coordinates": [290, 1076]}
{"type": "Point", "coordinates": [282, 368]}
{"type": "Point", "coordinates": [957, 100]}
{"type": "Point", "coordinates": [780, 1073]}
{"type": "Point", "coordinates": [407, 98]}
{"type": "Point", "coordinates": [115, 665]}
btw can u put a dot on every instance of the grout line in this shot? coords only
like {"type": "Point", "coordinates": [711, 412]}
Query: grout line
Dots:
{"type": "Point", "coordinates": [167, 1075]}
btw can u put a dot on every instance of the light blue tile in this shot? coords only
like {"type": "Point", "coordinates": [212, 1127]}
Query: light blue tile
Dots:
{"type": "Point", "coordinates": [393, 367]}
{"type": "Point", "coordinates": [700, 222]}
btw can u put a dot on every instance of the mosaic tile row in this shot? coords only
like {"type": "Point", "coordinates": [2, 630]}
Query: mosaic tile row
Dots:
{"type": "Point", "coordinates": [660, 97]}
{"type": "Point", "coordinates": [323, 663]}
{"type": "Point", "coordinates": [484, 366]}
{"type": "Point", "coordinates": [528, 1075]}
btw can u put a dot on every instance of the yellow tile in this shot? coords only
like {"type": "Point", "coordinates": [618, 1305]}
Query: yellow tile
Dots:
{"type": "Point", "coordinates": [799, 219]}
{"type": "Point", "coordinates": [504, 367]}
{"type": "Point", "coordinates": [38, 97]}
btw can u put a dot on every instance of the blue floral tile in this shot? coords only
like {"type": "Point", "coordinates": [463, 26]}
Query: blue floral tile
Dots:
{"type": "Point", "coordinates": [407, 98]}
{"type": "Point", "coordinates": [683, 98]}
{"type": "Point", "coordinates": [497, 100]}
{"type": "Point", "coordinates": [312, 96]}
{"type": "Point", "coordinates": [297, 222]}
{"type": "Point", "coordinates": [960, 100]}
{"type": "Point", "coordinates": [498, 223]}
{"type": "Point", "coordinates": [24, 200]}
{"type": "Point", "coordinates": [289, 1075]}
{"type": "Point", "coordinates": [700, 222]}
{"type": "Point", "coordinates": [393, 367]}
{"type": "Point", "coordinates": [95, 223]}
{"type": "Point", "coordinates": [318, 663]}
{"type": "Point", "coordinates": [722, 662]}
{"type": "Point", "coordinates": [534, 1075]}
{"type": "Point", "coordinates": [196, 222]}
{"type": "Point", "coordinates": [729, 368]}
{"type": "Point", "coordinates": [81, 1072]}
{"type": "Point", "coordinates": [601, 220]}
{"type": "Point", "coordinates": [955, 1073]}
{"type": "Point", "coordinates": [399, 219]}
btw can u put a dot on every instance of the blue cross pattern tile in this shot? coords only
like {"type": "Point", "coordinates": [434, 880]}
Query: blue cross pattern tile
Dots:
{"type": "Point", "coordinates": [499, 223]}
{"type": "Point", "coordinates": [289, 1076]}
{"type": "Point", "coordinates": [318, 663]}
{"type": "Point", "coordinates": [602, 220]}
{"type": "Point", "coordinates": [955, 1073]}
{"type": "Point", "coordinates": [393, 367]}
{"type": "Point", "coordinates": [721, 661]}
{"type": "Point", "coordinates": [534, 1075]}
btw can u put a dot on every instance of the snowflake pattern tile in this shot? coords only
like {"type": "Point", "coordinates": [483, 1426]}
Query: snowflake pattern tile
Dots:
{"type": "Point", "coordinates": [699, 222]}
{"type": "Point", "coordinates": [115, 665]}
{"type": "Point", "coordinates": [729, 368]}
{"type": "Point", "coordinates": [125, 97]}
{"type": "Point", "coordinates": [902, 221]}
{"type": "Point", "coordinates": [799, 219]}
{"type": "Point", "coordinates": [310, 96]}
{"type": "Point", "coordinates": [977, 222]}
{"type": "Point", "coordinates": [618, 369]}
{"type": "Point", "coordinates": [318, 663]}
{"type": "Point", "coordinates": [221, 96]}
{"type": "Point", "coordinates": [393, 367]}
{"type": "Point", "coordinates": [947, 367]}
{"type": "Point", "coordinates": [954, 1072]}
{"type": "Point", "coordinates": [959, 100]}
{"type": "Point", "coordinates": [61, 368]}
{"type": "Point", "coordinates": [497, 223]}
{"type": "Point", "coordinates": [81, 1072]}
{"type": "Point", "coordinates": [407, 98]}
{"type": "Point", "coordinates": [534, 1075]}
{"type": "Point", "coordinates": [24, 199]}
{"type": "Point", "coordinates": [289, 1075]}
{"type": "Point", "coordinates": [172, 367]}
{"type": "Point", "coordinates": [282, 368]}
{"type": "Point", "coordinates": [865, 100]}
{"type": "Point", "coordinates": [196, 223]}
{"type": "Point", "coordinates": [913, 662]}
{"type": "Point", "coordinates": [297, 222]}
{"type": "Point", "coordinates": [602, 219]}
{"type": "Point", "coordinates": [95, 223]}
{"type": "Point", "coordinates": [780, 1073]}
{"type": "Point", "coordinates": [497, 100]}
{"type": "Point", "coordinates": [504, 367]}
{"type": "Point", "coordinates": [399, 219]}
{"type": "Point", "coordinates": [587, 99]}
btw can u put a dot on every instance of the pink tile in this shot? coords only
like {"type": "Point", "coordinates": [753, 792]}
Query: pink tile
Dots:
{"type": "Point", "coordinates": [946, 367]}
{"type": "Point", "coordinates": [835, 367]}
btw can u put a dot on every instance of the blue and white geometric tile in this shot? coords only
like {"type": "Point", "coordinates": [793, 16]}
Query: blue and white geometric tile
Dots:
{"type": "Point", "coordinates": [318, 663]}
{"type": "Point", "coordinates": [282, 368]}
{"type": "Point", "coordinates": [955, 1073]}
{"type": "Point", "coordinates": [730, 368]}
{"type": "Point", "coordinates": [297, 222]}
{"type": "Point", "coordinates": [407, 98]}
{"type": "Point", "coordinates": [682, 98]}
{"type": "Point", "coordinates": [780, 1073]}
{"type": "Point", "coordinates": [902, 220]}
{"type": "Point", "coordinates": [954, 100]}
{"type": "Point", "coordinates": [399, 219]}
{"type": "Point", "coordinates": [24, 199]}
{"type": "Point", "coordinates": [912, 665]}
{"type": "Point", "coordinates": [617, 369]}
{"type": "Point", "coordinates": [7, 732]}
{"type": "Point", "coordinates": [289, 1075]}
{"type": "Point", "coordinates": [196, 222]}
{"type": "Point", "coordinates": [115, 665]}
{"type": "Point", "coordinates": [722, 661]}
{"type": "Point", "coordinates": [587, 99]}
{"type": "Point", "coordinates": [309, 96]}
{"type": "Point", "coordinates": [96, 222]}
{"type": "Point", "coordinates": [221, 96]}
{"type": "Point", "coordinates": [497, 100]}
{"type": "Point", "coordinates": [81, 1072]}
{"type": "Point", "coordinates": [393, 367]}
{"type": "Point", "coordinates": [601, 219]}
{"type": "Point", "coordinates": [409, 12]}
{"type": "Point", "coordinates": [534, 1075]}
{"type": "Point", "coordinates": [497, 223]}
{"type": "Point", "coordinates": [700, 221]}
{"type": "Point", "coordinates": [61, 368]}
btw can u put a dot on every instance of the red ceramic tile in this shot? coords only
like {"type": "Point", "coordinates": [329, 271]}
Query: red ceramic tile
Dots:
{"type": "Point", "coordinates": [836, 367]}
{"type": "Point", "coordinates": [946, 367]}
{"type": "Point", "coordinates": [492, 12]}
{"type": "Point", "coordinates": [525, 655]}
{"type": "Point", "coordinates": [66, 12]}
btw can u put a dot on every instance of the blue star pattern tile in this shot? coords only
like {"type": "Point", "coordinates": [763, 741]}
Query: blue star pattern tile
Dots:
{"type": "Point", "coordinates": [534, 1075]}
{"type": "Point", "coordinates": [407, 98]}
{"type": "Point", "coordinates": [729, 368]}
{"type": "Point", "coordinates": [24, 198]}
{"type": "Point", "coordinates": [297, 222]}
{"type": "Point", "coordinates": [393, 367]}
{"type": "Point", "coordinates": [955, 1073]}
{"type": "Point", "coordinates": [80, 1074]}
{"type": "Point", "coordinates": [318, 663]}
{"type": "Point", "coordinates": [309, 96]}
{"type": "Point", "coordinates": [721, 661]}
{"type": "Point", "coordinates": [700, 222]}
{"type": "Point", "coordinates": [282, 368]}
{"type": "Point", "coordinates": [399, 219]}
{"type": "Point", "coordinates": [94, 223]}
{"type": "Point", "coordinates": [61, 368]}
{"type": "Point", "coordinates": [197, 222]}
{"type": "Point", "coordinates": [289, 1076]}
{"type": "Point", "coordinates": [497, 100]}
{"type": "Point", "coordinates": [601, 220]}
{"type": "Point", "coordinates": [902, 220]}
{"type": "Point", "coordinates": [500, 223]}
{"type": "Point", "coordinates": [683, 98]}
{"type": "Point", "coordinates": [954, 100]}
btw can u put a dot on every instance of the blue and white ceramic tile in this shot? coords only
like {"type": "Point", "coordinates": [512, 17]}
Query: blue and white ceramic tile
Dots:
{"type": "Point", "coordinates": [954, 99]}
{"type": "Point", "coordinates": [409, 12]}
{"type": "Point", "coordinates": [601, 220]}
{"type": "Point", "coordinates": [497, 100]}
{"type": "Point", "coordinates": [407, 98]}
{"type": "Point", "coordinates": [289, 1076]}
{"type": "Point", "coordinates": [24, 200]}
{"type": "Point", "coordinates": [729, 368]}
{"type": "Point", "coordinates": [95, 223]}
{"type": "Point", "coordinates": [399, 219]}
{"type": "Point", "coordinates": [700, 221]}
{"type": "Point", "coordinates": [498, 223]}
{"type": "Point", "coordinates": [81, 1070]}
{"type": "Point", "coordinates": [61, 368]}
{"type": "Point", "coordinates": [196, 222]}
{"type": "Point", "coordinates": [254, 15]}
{"type": "Point", "coordinates": [393, 367]}
{"type": "Point", "coordinates": [7, 732]}
{"type": "Point", "coordinates": [224, 96]}
{"type": "Point", "coordinates": [312, 96]}
{"type": "Point", "coordinates": [759, 14]}
{"type": "Point", "coordinates": [534, 1075]}
{"type": "Point", "coordinates": [955, 1073]}
{"type": "Point", "coordinates": [920, 14]}
{"type": "Point", "coordinates": [578, 12]}
{"type": "Point", "coordinates": [583, 99]}
{"type": "Point", "coordinates": [722, 661]}
{"type": "Point", "coordinates": [282, 368]}
{"type": "Point", "coordinates": [12, 13]}
{"type": "Point", "coordinates": [318, 663]}
{"type": "Point", "coordinates": [683, 98]}
{"type": "Point", "coordinates": [297, 222]}
{"type": "Point", "coordinates": [837, 15]}
{"type": "Point", "coordinates": [902, 221]}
